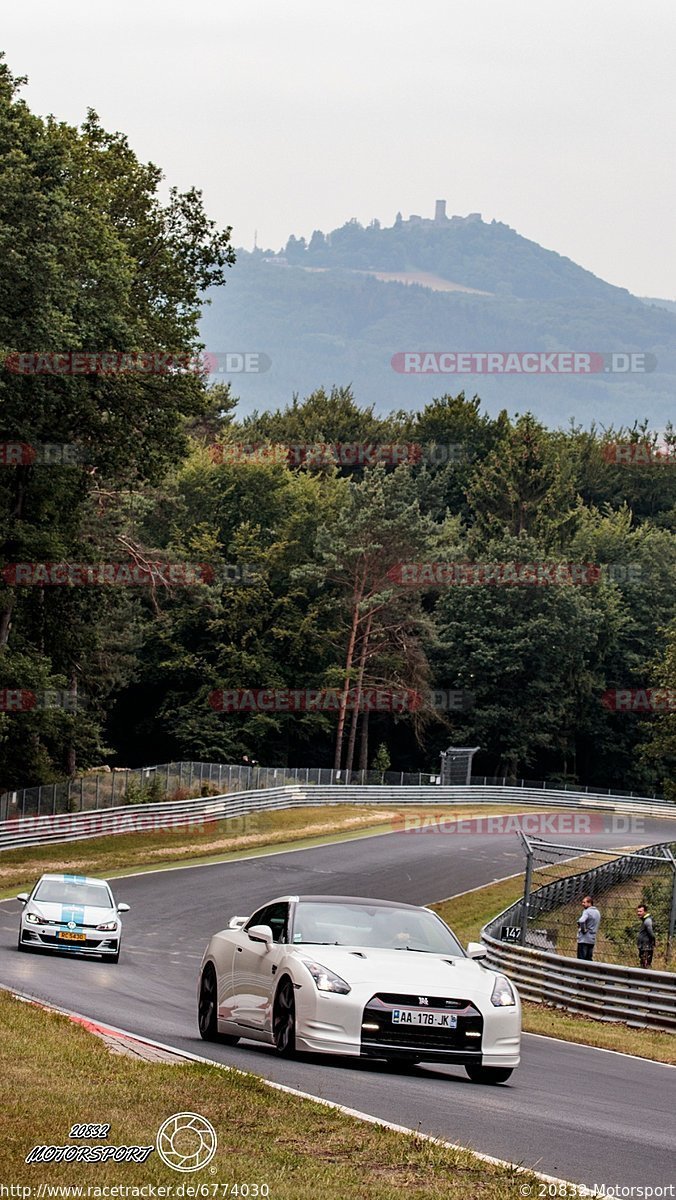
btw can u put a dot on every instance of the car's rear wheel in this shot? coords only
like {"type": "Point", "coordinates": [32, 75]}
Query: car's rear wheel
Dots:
{"type": "Point", "coordinates": [207, 1010]}
{"type": "Point", "coordinates": [488, 1074]}
{"type": "Point", "coordinates": [284, 1019]}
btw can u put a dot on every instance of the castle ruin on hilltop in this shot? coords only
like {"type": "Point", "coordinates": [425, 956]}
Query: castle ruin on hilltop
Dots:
{"type": "Point", "coordinates": [439, 217]}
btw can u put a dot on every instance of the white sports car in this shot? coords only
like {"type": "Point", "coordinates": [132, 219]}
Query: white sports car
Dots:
{"type": "Point", "coordinates": [74, 913]}
{"type": "Point", "coordinates": [343, 975]}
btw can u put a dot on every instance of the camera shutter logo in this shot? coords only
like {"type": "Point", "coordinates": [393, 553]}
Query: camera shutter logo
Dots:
{"type": "Point", "coordinates": [186, 1142]}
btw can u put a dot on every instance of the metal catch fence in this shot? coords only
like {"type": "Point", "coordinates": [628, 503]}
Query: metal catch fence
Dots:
{"type": "Point", "coordinates": [614, 991]}
{"type": "Point", "coordinates": [100, 789]}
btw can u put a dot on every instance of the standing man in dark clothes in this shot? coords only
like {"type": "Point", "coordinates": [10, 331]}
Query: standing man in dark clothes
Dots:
{"type": "Point", "coordinates": [646, 938]}
{"type": "Point", "coordinates": [587, 928]}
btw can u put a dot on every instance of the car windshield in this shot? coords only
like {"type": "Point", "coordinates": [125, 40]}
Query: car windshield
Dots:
{"type": "Point", "coordinates": [412, 929]}
{"type": "Point", "coordinates": [63, 891]}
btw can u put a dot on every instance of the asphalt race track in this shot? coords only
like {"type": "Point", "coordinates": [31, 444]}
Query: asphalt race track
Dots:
{"type": "Point", "coordinates": [581, 1114]}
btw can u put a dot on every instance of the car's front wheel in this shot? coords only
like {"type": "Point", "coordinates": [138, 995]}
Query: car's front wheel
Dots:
{"type": "Point", "coordinates": [488, 1074]}
{"type": "Point", "coordinates": [207, 1009]}
{"type": "Point", "coordinates": [284, 1019]}
{"type": "Point", "coordinates": [20, 945]}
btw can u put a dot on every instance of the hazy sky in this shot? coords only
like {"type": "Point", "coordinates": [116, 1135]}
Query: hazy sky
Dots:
{"type": "Point", "coordinates": [555, 116]}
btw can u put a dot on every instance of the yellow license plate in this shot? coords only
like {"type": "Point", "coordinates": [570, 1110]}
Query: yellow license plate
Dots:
{"type": "Point", "coordinates": [72, 937]}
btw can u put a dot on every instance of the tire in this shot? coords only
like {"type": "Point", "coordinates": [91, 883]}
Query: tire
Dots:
{"type": "Point", "coordinates": [401, 1063]}
{"type": "Point", "coordinates": [114, 958]}
{"type": "Point", "coordinates": [207, 1010]}
{"type": "Point", "coordinates": [284, 1019]}
{"type": "Point", "coordinates": [488, 1074]}
{"type": "Point", "coordinates": [20, 946]}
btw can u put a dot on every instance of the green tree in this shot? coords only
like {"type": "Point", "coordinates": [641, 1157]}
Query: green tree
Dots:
{"type": "Point", "coordinates": [93, 261]}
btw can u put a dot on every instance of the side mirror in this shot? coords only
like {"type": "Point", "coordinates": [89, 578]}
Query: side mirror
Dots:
{"type": "Point", "coordinates": [261, 933]}
{"type": "Point", "coordinates": [476, 950]}
{"type": "Point", "coordinates": [237, 922]}
{"type": "Point", "coordinates": [122, 908]}
{"type": "Point", "coordinates": [23, 897]}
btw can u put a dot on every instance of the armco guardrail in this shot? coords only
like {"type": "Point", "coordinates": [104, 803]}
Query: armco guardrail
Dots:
{"type": "Point", "coordinates": [645, 999]}
{"type": "Point", "coordinates": [605, 991]}
{"type": "Point", "coordinates": [110, 788]}
{"type": "Point", "coordinates": [173, 814]}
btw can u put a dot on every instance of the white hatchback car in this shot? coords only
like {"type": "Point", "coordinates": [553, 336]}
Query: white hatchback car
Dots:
{"type": "Point", "coordinates": [74, 913]}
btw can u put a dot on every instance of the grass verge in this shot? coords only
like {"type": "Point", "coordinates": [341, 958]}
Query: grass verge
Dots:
{"type": "Point", "coordinates": [300, 1149]}
{"type": "Point", "coordinates": [467, 914]}
{"type": "Point", "coordinates": [113, 855]}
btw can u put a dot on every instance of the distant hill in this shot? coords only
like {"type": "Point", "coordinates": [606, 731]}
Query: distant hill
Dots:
{"type": "Point", "coordinates": [670, 305]}
{"type": "Point", "coordinates": [337, 309]}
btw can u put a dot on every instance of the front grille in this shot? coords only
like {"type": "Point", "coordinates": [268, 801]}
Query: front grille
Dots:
{"type": "Point", "coordinates": [51, 939]}
{"type": "Point", "coordinates": [378, 1012]}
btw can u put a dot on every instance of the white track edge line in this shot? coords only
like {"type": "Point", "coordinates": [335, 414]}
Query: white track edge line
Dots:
{"type": "Point", "coordinates": [546, 1037]}
{"type": "Point", "coordinates": [580, 1189]}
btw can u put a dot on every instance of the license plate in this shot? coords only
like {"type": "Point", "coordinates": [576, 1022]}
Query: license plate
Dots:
{"type": "Point", "coordinates": [72, 937]}
{"type": "Point", "coordinates": [411, 1016]}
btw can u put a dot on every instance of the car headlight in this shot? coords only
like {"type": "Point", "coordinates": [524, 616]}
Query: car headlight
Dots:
{"type": "Point", "coordinates": [107, 927]}
{"type": "Point", "coordinates": [503, 993]}
{"type": "Point", "coordinates": [34, 919]}
{"type": "Point", "coordinates": [325, 980]}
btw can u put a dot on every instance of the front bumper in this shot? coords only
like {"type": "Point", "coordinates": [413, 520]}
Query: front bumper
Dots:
{"type": "Point", "coordinates": [46, 937]}
{"type": "Point", "coordinates": [334, 1024]}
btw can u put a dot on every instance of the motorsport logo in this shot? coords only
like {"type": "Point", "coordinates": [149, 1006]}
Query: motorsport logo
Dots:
{"type": "Point", "coordinates": [517, 362]}
{"type": "Point", "coordinates": [185, 1142]}
{"type": "Point", "coordinates": [101, 1153]}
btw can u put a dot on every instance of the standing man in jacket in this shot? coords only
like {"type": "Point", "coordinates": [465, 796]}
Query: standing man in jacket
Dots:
{"type": "Point", "coordinates": [646, 937]}
{"type": "Point", "coordinates": [587, 928]}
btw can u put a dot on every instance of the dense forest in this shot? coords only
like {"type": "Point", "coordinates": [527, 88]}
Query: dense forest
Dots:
{"type": "Point", "coordinates": [161, 553]}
